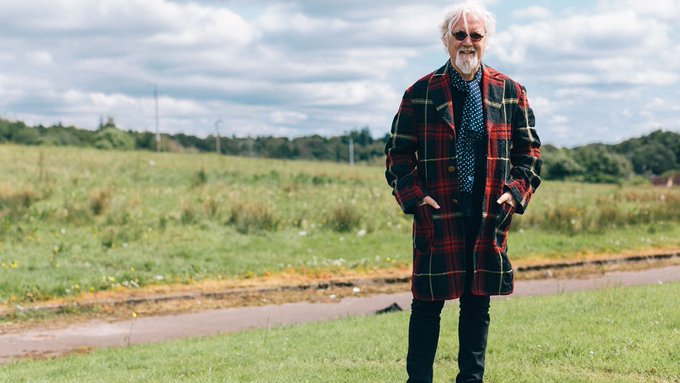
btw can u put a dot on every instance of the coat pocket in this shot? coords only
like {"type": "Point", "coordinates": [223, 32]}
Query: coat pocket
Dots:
{"type": "Point", "coordinates": [503, 224]}
{"type": "Point", "coordinates": [423, 228]}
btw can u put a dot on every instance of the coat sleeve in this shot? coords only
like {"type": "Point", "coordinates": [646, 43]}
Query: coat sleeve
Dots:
{"type": "Point", "coordinates": [402, 161]}
{"type": "Point", "coordinates": [525, 155]}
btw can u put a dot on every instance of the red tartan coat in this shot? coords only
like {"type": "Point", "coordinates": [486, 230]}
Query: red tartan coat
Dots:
{"type": "Point", "coordinates": [421, 160]}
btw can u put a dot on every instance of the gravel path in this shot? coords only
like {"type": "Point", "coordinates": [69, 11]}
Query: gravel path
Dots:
{"type": "Point", "coordinates": [97, 334]}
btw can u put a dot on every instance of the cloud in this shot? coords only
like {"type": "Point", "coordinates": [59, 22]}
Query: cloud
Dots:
{"type": "Point", "coordinates": [593, 63]}
{"type": "Point", "coordinates": [661, 104]}
{"type": "Point", "coordinates": [287, 117]}
{"type": "Point", "coordinates": [532, 12]}
{"type": "Point", "coordinates": [558, 119]}
{"type": "Point", "coordinates": [305, 67]}
{"type": "Point", "coordinates": [664, 10]}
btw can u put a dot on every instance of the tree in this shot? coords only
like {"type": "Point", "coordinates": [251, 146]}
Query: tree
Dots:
{"type": "Point", "coordinates": [653, 158]}
{"type": "Point", "coordinates": [558, 164]}
{"type": "Point", "coordinates": [668, 140]}
{"type": "Point", "coordinates": [601, 164]}
{"type": "Point", "coordinates": [113, 138]}
{"type": "Point", "coordinates": [26, 135]}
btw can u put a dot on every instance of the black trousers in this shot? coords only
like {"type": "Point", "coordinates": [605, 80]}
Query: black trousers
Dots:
{"type": "Point", "coordinates": [473, 328]}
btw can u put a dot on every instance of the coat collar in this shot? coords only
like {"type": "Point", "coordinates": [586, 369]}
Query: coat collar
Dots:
{"type": "Point", "coordinates": [440, 92]}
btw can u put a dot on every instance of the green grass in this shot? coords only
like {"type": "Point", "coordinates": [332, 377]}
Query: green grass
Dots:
{"type": "Point", "coordinates": [80, 220]}
{"type": "Point", "coordinates": [612, 335]}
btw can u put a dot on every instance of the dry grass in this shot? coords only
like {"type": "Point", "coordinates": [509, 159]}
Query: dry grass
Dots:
{"type": "Point", "coordinates": [253, 217]}
{"type": "Point", "coordinates": [344, 219]}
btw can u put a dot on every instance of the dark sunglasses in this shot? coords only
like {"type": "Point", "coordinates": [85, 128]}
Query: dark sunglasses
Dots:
{"type": "Point", "coordinates": [474, 36]}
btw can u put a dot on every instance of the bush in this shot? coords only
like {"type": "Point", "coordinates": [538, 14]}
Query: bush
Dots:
{"type": "Point", "coordinates": [602, 165]}
{"type": "Point", "coordinates": [100, 201]}
{"type": "Point", "coordinates": [26, 136]}
{"type": "Point", "coordinates": [113, 138]}
{"type": "Point", "coordinates": [21, 199]}
{"type": "Point", "coordinates": [253, 217]}
{"type": "Point", "coordinates": [15, 203]}
{"type": "Point", "coordinates": [199, 178]}
{"type": "Point", "coordinates": [344, 219]}
{"type": "Point", "coordinates": [653, 158]}
{"type": "Point", "coordinates": [558, 165]}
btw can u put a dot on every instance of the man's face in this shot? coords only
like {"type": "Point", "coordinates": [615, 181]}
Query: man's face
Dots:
{"type": "Point", "coordinates": [467, 54]}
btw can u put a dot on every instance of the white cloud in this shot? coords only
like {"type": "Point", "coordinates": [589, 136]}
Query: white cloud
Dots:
{"type": "Point", "coordinates": [39, 58]}
{"type": "Point", "coordinates": [582, 92]}
{"type": "Point", "coordinates": [532, 13]}
{"type": "Point", "coordinates": [296, 68]}
{"type": "Point", "coordinates": [665, 10]}
{"type": "Point", "coordinates": [661, 104]}
{"type": "Point", "coordinates": [559, 119]}
{"type": "Point", "coordinates": [594, 62]}
{"type": "Point", "coordinates": [287, 117]}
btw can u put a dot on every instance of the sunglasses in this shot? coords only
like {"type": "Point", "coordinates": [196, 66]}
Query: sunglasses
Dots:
{"type": "Point", "coordinates": [474, 36]}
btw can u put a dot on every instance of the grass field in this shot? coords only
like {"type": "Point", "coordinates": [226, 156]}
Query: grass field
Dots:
{"type": "Point", "coordinates": [607, 336]}
{"type": "Point", "coordinates": [74, 221]}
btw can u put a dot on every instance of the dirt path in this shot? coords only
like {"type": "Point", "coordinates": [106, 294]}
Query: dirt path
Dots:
{"type": "Point", "coordinates": [96, 334]}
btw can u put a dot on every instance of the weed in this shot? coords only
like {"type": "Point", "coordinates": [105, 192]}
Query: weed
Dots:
{"type": "Point", "coordinates": [162, 222]}
{"type": "Point", "coordinates": [100, 201]}
{"type": "Point", "coordinates": [188, 214]}
{"type": "Point", "coordinates": [251, 217]}
{"type": "Point", "coordinates": [344, 218]}
{"type": "Point", "coordinates": [108, 237]}
{"type": "Point", "coordinates": [16, 201]}
{"type": "Point", "coordinates": [199, 178]}
{"type": "Point", "coordinates": [211, 207]}
{"type": "Point", "coordinates": [73, 212]}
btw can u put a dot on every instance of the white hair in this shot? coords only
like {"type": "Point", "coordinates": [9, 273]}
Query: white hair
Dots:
{"type": "Point", "coordinates": [470, 7]}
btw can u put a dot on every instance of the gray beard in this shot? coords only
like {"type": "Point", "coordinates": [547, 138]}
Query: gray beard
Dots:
{"type": "Point", "coordinates": [467, 66]}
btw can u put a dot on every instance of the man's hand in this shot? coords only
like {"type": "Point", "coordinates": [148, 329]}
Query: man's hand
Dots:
{"type": "Point", "coordinates": [429, 201]}
{"type": "Point", "coordinates": [506, 198]}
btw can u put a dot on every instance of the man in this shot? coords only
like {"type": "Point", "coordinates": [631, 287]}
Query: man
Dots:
{"type": "Point", "coordinates": [463, 157]}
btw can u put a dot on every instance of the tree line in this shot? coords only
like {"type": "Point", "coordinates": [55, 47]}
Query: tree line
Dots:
{"type": "Point", "coordinates": [109, 136]}
{"type": "Point", "coordinates": [656, 153]}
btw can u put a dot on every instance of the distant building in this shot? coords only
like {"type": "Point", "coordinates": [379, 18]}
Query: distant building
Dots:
{"type": "Point", "coordinates": [667, 181]}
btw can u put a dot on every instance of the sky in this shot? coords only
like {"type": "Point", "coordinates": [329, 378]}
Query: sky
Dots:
{"type": "Point", "coordinates": [595, 71]}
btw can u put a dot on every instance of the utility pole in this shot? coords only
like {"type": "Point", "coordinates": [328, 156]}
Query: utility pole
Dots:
{"type": "Point", "coordinates": [351, 151]}
{"type": "Point", "coordinates": [158, 132]}
{"type": "Point", "coordinates": [217, 136]}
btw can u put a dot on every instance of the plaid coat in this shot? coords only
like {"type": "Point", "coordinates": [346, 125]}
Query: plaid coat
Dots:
{"type": "Point", "coordinates": [421, 161]}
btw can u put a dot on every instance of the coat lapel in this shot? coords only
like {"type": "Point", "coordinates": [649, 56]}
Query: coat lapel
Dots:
{"type": "Point", "coordinates": [440, 93]}
{"type": "Point", "coordinates": [492, 96]}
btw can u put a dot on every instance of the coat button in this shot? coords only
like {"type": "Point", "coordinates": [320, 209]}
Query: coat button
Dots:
{"type": "Point", "coordinates": [450, 137]}
{"type": "Point", "coordinates": [454, 201]}
{"type": "Point", "coordinates": [451, 169]}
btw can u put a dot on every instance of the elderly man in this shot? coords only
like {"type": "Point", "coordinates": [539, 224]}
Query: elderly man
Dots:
{"type": "Point", "coordinates": [463, 157]}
